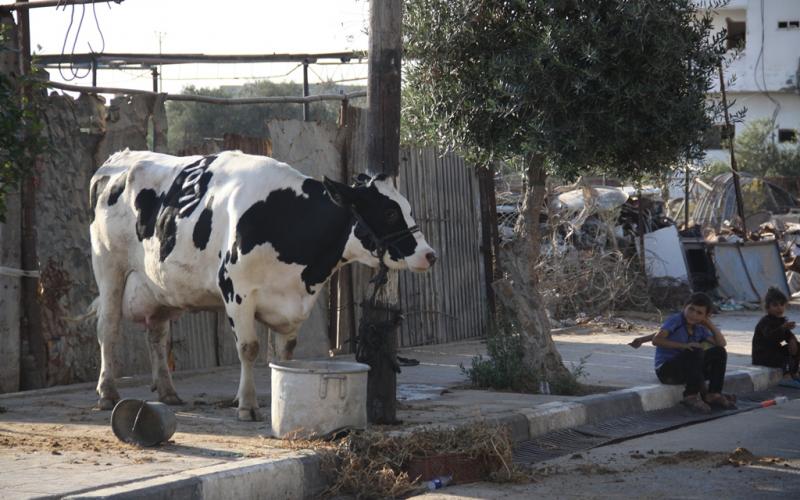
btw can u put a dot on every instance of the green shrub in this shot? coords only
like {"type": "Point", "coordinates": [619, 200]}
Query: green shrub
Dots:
{"type": "Point", "coordinates": [504, 368]}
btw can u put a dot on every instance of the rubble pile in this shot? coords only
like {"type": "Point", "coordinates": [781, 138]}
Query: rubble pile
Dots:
{"type": "Point", "coordinates": [611, 247]}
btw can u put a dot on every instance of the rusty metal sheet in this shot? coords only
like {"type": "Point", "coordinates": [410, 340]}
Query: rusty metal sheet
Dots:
{"type": "Point", "coordinates": [745, 270]}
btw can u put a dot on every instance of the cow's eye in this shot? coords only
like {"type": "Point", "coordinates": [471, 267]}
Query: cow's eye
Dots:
{"type": "Point", "coordinates": [392, 215]}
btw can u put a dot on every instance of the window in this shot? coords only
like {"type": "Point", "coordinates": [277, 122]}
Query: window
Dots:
{"type": "Point", "coordinates": [787, 135]}
{"type": "Point", "coordinates": [789, 25]}
{"type": "Point", "coordinates": [736, 33]}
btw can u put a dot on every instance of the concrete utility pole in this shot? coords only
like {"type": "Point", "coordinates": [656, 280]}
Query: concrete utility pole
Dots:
{"type": "Point", "coordinates": [380, 319]}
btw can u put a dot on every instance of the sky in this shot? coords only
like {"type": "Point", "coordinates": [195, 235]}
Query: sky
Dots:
{"type": "Point", "coordinates": [209, 27]}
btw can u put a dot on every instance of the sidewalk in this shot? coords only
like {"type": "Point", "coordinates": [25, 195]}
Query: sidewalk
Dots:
{"type": "Point", "coordinates": [53, 444]}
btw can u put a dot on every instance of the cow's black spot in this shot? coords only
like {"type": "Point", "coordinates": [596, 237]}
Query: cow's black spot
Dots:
{"type": "Point", "coordinates": [230, 320]}
{"type": "Point", "coordinates": [180, 201]}
{"type": "Point", "coordinates": [117, 188]}
{"type": "Point", "coordinates": [308, 230]}
{"type": "Point", "coordinates": [219, 254]}
{"type": "Point", "coordinates": [97, 184]}
{"type": "Point", "coordinates": [147, 204]}
{"type": "Point", "coordinates": [235, 250]}
{"type": "Point", "coordinates": [238, 299]}
{"type": "Point", "coordinates": [374, 208]}
{"type": "Point", "coordinates": [224, 281]}
{"type": "Point", "coordinates": [202, 229]}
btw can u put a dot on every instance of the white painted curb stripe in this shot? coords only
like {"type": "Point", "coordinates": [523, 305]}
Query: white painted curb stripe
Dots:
{"type": "Point", "coordinates": [553, 416]}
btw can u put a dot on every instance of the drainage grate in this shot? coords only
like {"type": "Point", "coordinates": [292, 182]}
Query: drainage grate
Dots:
{"type": "Point", "coordinates": [563, 442]}
{"type": "Point", "coordinates": [555, 444]}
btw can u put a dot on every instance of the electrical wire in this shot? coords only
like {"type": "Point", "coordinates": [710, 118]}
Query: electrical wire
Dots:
{"type": "Point", "coordinates": [74, 72]}
{"type": "Point", "coordinates": [761, 60]}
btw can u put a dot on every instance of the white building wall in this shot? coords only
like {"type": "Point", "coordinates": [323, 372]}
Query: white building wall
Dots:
{"type": "Point", "coordinates": [764, 76]}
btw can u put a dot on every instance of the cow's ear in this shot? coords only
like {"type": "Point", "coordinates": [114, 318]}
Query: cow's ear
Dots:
{"type": "Point", "coordinates": [341, 194]}
{"type": "Point", "coordinates": [362, 179]}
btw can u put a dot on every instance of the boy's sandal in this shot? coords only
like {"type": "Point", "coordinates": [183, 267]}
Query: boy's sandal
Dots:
{"type": "Point", "coordinates": [696, 404]}
{"type": "Point", "coordinates": [721, 401]}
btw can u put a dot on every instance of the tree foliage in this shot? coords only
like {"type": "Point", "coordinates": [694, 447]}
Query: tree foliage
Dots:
{"type": "Point", "coordinates": [612, 85]}
{"type": "Point", "coordinates": [189, 123]}
{"type": "Point", "coordinates": [21, 138]}
{"type": "Point", "coordinates": [758, 152]}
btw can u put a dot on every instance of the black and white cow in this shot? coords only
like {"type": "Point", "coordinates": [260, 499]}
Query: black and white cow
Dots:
{"type": "Point", "coordinates": [231, 231]}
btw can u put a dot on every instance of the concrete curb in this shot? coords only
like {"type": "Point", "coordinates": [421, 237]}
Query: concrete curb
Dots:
{"type": "Point", "coordinates": [252, 478]}
{"type": "Point", "coordinates": [301, 477]}
{"type": "Point", "coordinates": [595, 408]}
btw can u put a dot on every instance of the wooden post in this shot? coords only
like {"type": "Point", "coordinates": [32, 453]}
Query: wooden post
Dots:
{"type": "Point", "coordinates": [10, 248]}
{"type": "Point", "coordinates": [737, 187]}
{"type": "Point", "coordinates": [378, 331]}
{"type": "Point", "coordinates": [685, 197]}
{"type": "Point", "coordinates": [34, 360]}
{"type": "Point", "coordinates": [489, 231]}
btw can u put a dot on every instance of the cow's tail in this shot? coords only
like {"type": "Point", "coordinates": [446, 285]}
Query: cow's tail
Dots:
{"type": "Point", "coordinates": [90, 313]}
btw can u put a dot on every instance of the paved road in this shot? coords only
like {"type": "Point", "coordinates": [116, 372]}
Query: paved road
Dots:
{"type": "Point", "coordinates": [697, 461]}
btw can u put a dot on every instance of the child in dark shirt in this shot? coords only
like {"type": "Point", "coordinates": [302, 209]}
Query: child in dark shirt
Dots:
{"type": "Point", "coordinates": [774, 344]}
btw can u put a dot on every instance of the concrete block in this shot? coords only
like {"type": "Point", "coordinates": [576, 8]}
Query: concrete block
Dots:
{"type": "Point", "coordinates": [738, 382]}
{"type": "Point", "coordinates": [553, 416]}
{"type": "Point", "coordinates": [256, 478]}
{"type": "Point", "coordinates": [314, 480]}
{"type": "Point", "coordinates": [516, 423]}
{"type": "Point", "coordinates": [657, 396]}
{"type": "Point", "coordinates": [763, 378]}
{"type": "Point", "coordinates": [601, 407]}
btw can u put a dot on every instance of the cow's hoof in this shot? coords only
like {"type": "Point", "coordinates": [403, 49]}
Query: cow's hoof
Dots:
{"type": "Point", "coordinates": [171, 399]}
{"type": "Point", "coordinates": [106, 403]}
{"type": "Point", "coordinates": [250, 415]}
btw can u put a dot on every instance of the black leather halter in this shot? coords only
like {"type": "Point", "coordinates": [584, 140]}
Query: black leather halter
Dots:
{"type": "Point", "coordinates": [382, 244]}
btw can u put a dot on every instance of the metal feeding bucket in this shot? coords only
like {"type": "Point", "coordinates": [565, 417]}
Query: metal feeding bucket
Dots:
{"type": "Point", "coordinates": [145, 423]}
{"type": "Point", "coordinates": [316, 399]}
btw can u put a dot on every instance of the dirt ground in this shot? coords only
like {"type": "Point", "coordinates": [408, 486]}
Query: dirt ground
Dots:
{"type": "Point", "coordinates": [68, 422]}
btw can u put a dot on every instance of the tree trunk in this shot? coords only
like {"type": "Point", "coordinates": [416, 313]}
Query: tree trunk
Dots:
{"type": "Point", "coordinates": [517, 291]}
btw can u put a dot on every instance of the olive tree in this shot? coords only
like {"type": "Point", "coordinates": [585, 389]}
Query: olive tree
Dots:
{"type": "Point", "coordinates": [564, 87]}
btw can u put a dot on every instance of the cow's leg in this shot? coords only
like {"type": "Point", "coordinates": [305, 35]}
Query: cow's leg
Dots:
{"type": "Point", "coordinates": [242, 317]}
{"type": "Point", "coordinates": [157, 335]}
{"type": "Point", "coordinates": [109, 314]}
{"type": "Point", "coordinates": [285, 344]}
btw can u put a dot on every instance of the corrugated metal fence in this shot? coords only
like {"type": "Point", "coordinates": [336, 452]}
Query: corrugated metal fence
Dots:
{"type": "Point", "coordinates": [448, 303]}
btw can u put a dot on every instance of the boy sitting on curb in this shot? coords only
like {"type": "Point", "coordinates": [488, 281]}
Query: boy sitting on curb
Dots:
{"type": "Point", "coordinates": [770, 335]}
{"type": "Point", "coordinates": [691, 349]}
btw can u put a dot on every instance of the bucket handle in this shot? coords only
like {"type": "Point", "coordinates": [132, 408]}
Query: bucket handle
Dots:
{"type": "Point", "coordinates": [323, 386]}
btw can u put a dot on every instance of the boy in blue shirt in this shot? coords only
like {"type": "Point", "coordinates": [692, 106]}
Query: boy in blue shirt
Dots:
{"type": "Point", "coordinates": [690, 349]}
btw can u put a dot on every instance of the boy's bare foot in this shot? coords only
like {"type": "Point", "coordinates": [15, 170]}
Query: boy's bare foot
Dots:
{"type": "Point", "coordinates": [696, 404]}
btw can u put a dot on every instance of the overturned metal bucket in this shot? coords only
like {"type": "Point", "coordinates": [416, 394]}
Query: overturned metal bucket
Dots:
{"type": "Point", "coordinates": [145, 423]}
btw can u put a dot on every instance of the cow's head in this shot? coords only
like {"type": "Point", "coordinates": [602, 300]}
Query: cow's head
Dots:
{"type": "Point", "coordinates": [383, 218]}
